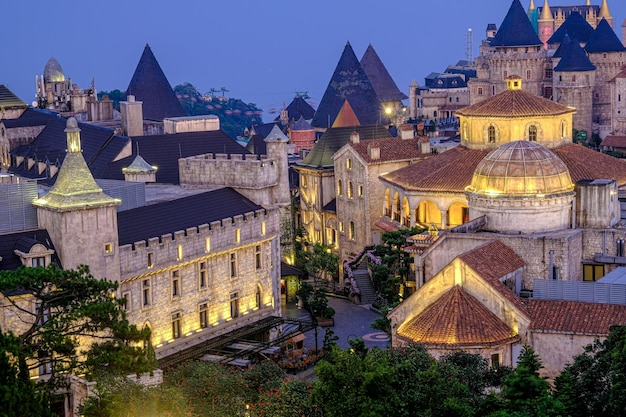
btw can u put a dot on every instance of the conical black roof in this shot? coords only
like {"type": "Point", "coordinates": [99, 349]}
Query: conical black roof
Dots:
{"type": "Point", "coordinates": [573, 57]}
{"type": "Point", "coordinates": [384, 86]}
{"type": "Point", "coordinates": [604, 39]}
{"type": "Point", "coordinates": [575, 26]}
{"type": "Point", "coordinates": [348, 82]}
{"type": "Point", "coordinates": [299, 108]}
{"type": "Point", "coordinates": [516, 29]}
{"type": "Point", "coordinates": [150, 86]}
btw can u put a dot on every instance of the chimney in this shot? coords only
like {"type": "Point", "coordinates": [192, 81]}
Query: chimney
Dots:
{"type": "Point", "coordinates": [373, 152]}
{"type": "Point", "coordinates": [354, 137]}
{"type": "Point", "coordinates": [407, 131]}
{"type": "Point", "coordinates": [132, 116]}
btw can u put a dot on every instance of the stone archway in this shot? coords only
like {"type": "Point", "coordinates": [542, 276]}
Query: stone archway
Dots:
{"type": "Point", "coordinates": [458, 213]}
{"type": "Point", "coordinates": [428, 213]}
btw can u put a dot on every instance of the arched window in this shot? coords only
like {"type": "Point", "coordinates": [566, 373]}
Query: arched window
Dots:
{"type": "Point", "coordinates": [491, 134]}
{"type": "Point", "coordinates": [351, 231]}
{"type": "Point", "coordinates": [350, 190]}
{"type": "Point", "coordinates": [532, 133]}
{"type": "Point", "coordinates": [339, 188]}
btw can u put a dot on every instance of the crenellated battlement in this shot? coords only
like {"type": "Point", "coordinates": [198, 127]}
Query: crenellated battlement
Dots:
{"type": "Point", "coordinates": [235, 170]}
{"type": "Point", "coordinates": [173, 248]}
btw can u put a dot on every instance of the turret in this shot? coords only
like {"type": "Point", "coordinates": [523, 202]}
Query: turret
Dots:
{"type": "Point", "coordinates": [605, 13]}
{"type": "Point", "coordinates": [545, 24]}
{"type": "Point", "coordinates": [79, 217]}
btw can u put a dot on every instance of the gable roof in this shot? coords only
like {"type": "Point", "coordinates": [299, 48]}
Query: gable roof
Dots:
{"type": "Point", "coordinates": [348, 82]}
{"type": "Point", "coordinates": [516, 29]}
{"type": "Point", "coordinates": [384, 86]}
{"type": "Point", "coordinates": [614, 141]}
{"type": "Point", "coordinates": [301, 124]}
{"type": "Point", "coordinates": [163, 151]}
{"type": "Point", "coordinates": [155, 220]}
{"type": "Point", "coordinates": [575, 26]}
{"type": "Point", "coordinates": [573, 57]}
{"type": "Point", "coordinates": [457, 319]}
{"type": "Point", "coordinates": [100, 145]}
{"type": "Point", "coordinates": [604, 39]}
{"type": "Point", "coordinates": [8, 99]}
{"type": "Point", "coordinates": [574, 316]}
{"type": "Point", "coordinates": [321, 156]}
{"type": "Point", "coordinates": [492, 261]}
{"type": "Point", "coordinates": [150, 86]}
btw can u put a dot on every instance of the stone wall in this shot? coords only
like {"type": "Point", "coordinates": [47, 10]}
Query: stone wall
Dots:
{"type": "Point", "coordinates": [211, 250]}
{"type": "Point", "coordinates": [558, 349]}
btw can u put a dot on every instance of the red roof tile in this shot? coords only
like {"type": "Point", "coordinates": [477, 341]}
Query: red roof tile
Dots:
{"type": "Point", "coordinates": [346, 116]}
{"type": "Point", "coordinates": [457, 319]}
{"type": "Point", "coordinates": [492, 261]}
{"type": "Point", "coordinates": [391, 149]}
{"type": "Point", "coordinates": [586, 164]}
{"type": "Point", "coordinates": [515, 103]}
{"type": "Point", "coordinates": [576, 317]}
{"type": "Point", "coordinates": [615, 141]}
{"type": "Point", "coordinates": [450, 171]}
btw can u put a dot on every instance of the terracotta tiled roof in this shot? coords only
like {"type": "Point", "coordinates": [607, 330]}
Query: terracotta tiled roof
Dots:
{"type": "Point", "coordinates": [391, 149]}
{"type": "Point", "coordinates": [386, 225]}
{"type": "Point", "coordinates": [586, 164]}
{"type": "Point", "coordinates": [515, 103]}
{"type": "Point", "coordinates": [492, 261]}
{"type": "Point", "coordinates": [346, 116]}
{"type": "Point", "coordinates": [450, 171]}
{"type": "Point", "coordinates": [576, 317]}
{"type": "Point", "coordinates": [457, 319]}
{"type": "Point", "coordinates": [614, 141]}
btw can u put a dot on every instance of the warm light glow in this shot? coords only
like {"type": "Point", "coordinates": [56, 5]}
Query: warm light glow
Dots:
{"type": "Point", "coordinates": [188, 334]}
{"type": "Point", "coordinates": [238, 235]}
{"type": "Point", "coordinates": [262, 228]}
{"type": "Point", "coordinates": [388, 110]}
{"type": "Point", "coordinates": [207, 245]}
{"type": "Point", "coordinates": [180, 252]}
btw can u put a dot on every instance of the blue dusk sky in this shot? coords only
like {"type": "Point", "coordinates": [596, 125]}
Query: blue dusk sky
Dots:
{"type": "Point", "coordinates": [262, 51]}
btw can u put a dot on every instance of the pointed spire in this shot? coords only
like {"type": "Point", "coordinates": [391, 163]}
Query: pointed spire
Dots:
{"type": "Point", "coordinates": [546, 13]}
{"type": "Point", "coordinates": [588, 3]}
{"type": "Point", "coordinates": [604, 39]}
{"type": "Point", "coordinates": [150, 86]}
{"type": "Point", "coordinates": [573, 57]}
{"type": "Point", "coordinates": [348, 82]}
{"type": "Point", "coordinates": [75, 187]}
{"type": "Point", "coordinates": [605, 13]}
{"type": "Point", "coordinates": [532, 5]}
{"type": "Point", "coordinates": [346, 116]}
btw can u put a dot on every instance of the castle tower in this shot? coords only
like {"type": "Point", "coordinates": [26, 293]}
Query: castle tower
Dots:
{"type": "Point", "coordinates": [276, 144]}
{"type": "Point", "coordinates": [302, 135]}
{"type": "Point", "coordinates": [533, 15]}
{"type": "Point", "coordinates": [80, 218]}
{"type": "Point", "coordinates": [574, 79]}
{"type": "Point", "coordinates": [545, 24]}
{"type": "Point", "coordinates": [606, 52]}
{"type": "Point", "coordinates": [624, 32]}
{"type": "Point", "coordinates": [413, 104]}
{"type": "Point", "coordinates": [605, 13]}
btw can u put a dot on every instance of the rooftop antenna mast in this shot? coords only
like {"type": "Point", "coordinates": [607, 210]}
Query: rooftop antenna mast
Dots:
{"type": "Point", "coordinates": [469, 53]}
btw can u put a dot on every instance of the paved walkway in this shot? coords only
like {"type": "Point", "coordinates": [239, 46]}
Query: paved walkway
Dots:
{"type": "Point", "coordinates": [351, 321]}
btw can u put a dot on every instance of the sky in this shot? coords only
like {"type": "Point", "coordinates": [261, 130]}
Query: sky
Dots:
{"type": "Point", "coordinates": [262, 51]}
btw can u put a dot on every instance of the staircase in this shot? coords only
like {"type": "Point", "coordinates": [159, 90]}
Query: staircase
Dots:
{"type": "Point", "coordinates": [364, 283]}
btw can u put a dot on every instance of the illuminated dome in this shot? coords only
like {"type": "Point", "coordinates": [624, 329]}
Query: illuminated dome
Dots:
{"type": "Point", "coordinates": [52, 72]}
{"type": "Point", "coordinates": [521, 187]}
{"type": "Point", "coordinates": [521, 169]}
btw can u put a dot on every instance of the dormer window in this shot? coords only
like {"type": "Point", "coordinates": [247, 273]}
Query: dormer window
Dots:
{"type": "Point", "coordinates": [33, 253]}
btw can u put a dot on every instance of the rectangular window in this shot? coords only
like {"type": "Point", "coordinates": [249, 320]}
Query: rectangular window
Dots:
{"type": "Point", "coordinates": [349, 163]}
{"type": "Point", "coordinates": [233, 265]}
{"type": "Point", "coordinates": [480, 91]}
{"type": "Point", "coordinates": [262, 228]}
{"type": "Point", "coordinates": [108, 248]}
{"type": "Point", "coordinates": [179, 252]}
{"type": "Point", "coordinates": [351, 234]}
{"type": "Point", "coordinates": [126, 298]}
{"type": "Point", "coordinates": [549, 73]}
{"type": "Point", "coordinates": [234, 305]}
{"type": "Point", "coordinates": [204, 315]}
{"type": "Point", "coordinates": [528, 74]}
{"type": "Point", "coordinates": [505, 73]}
{"type": "Point", "coordinates": [258, 258]}
{"type": "Point", "coordinates": [360, 191]}
{"type": "Point", "coordinates": [238, 235]}
{"type": "Point", "coordinates": [207, 245]}
{"type": "Point", "coordinates": [45, 366]}
{"type": "Point", "coordinates": [176, 319]}
{"type": "Point", "coordinates": [150, 260]}
{"type": "Point", "coordinates": [38, 261]}
{"type": "Point", "coordinates": [592, 272]}
{"type": "Point", "coordinates": [303, 180]}
{"type": "Point", "coordinates": [202, 275]}
{"type": "Point", "coordinates": [341, 227]}
{"type": "Point", "coordinates": [495, 360]}
{"type": "Point", "coordinates": [176, 289]}
{"type": "Point", "coordinates": [146, 294]}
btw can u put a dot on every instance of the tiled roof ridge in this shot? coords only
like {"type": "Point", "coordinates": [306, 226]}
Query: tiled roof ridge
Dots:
{"type": "Point", "coordinates": [511, 103]}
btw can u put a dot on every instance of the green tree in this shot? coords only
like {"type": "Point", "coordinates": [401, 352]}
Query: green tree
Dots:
{"type": "Point", "coordinates": [77, 326]}
{"type": "Point", "coordinates": [322, 261]}
{"type": "Point", "coordinates": [115, 96]}
{"type": "Point", "coordinates": [594, 384]}
{"type": "Point", "coordinates": [292, 399]}
{"type": "Point", "coordinates": [525, 392]}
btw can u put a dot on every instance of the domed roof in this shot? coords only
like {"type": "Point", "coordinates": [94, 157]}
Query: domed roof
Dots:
{"type": "Point", "coordinates": [52, 72]}
{"type": "Point", "coordinates": [521, 169]}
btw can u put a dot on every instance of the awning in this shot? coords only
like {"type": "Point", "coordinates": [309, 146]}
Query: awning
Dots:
{"type": "Point", "coordinates": [386, 226]}
{"type": "Point", "coordinates": [299, 337]}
